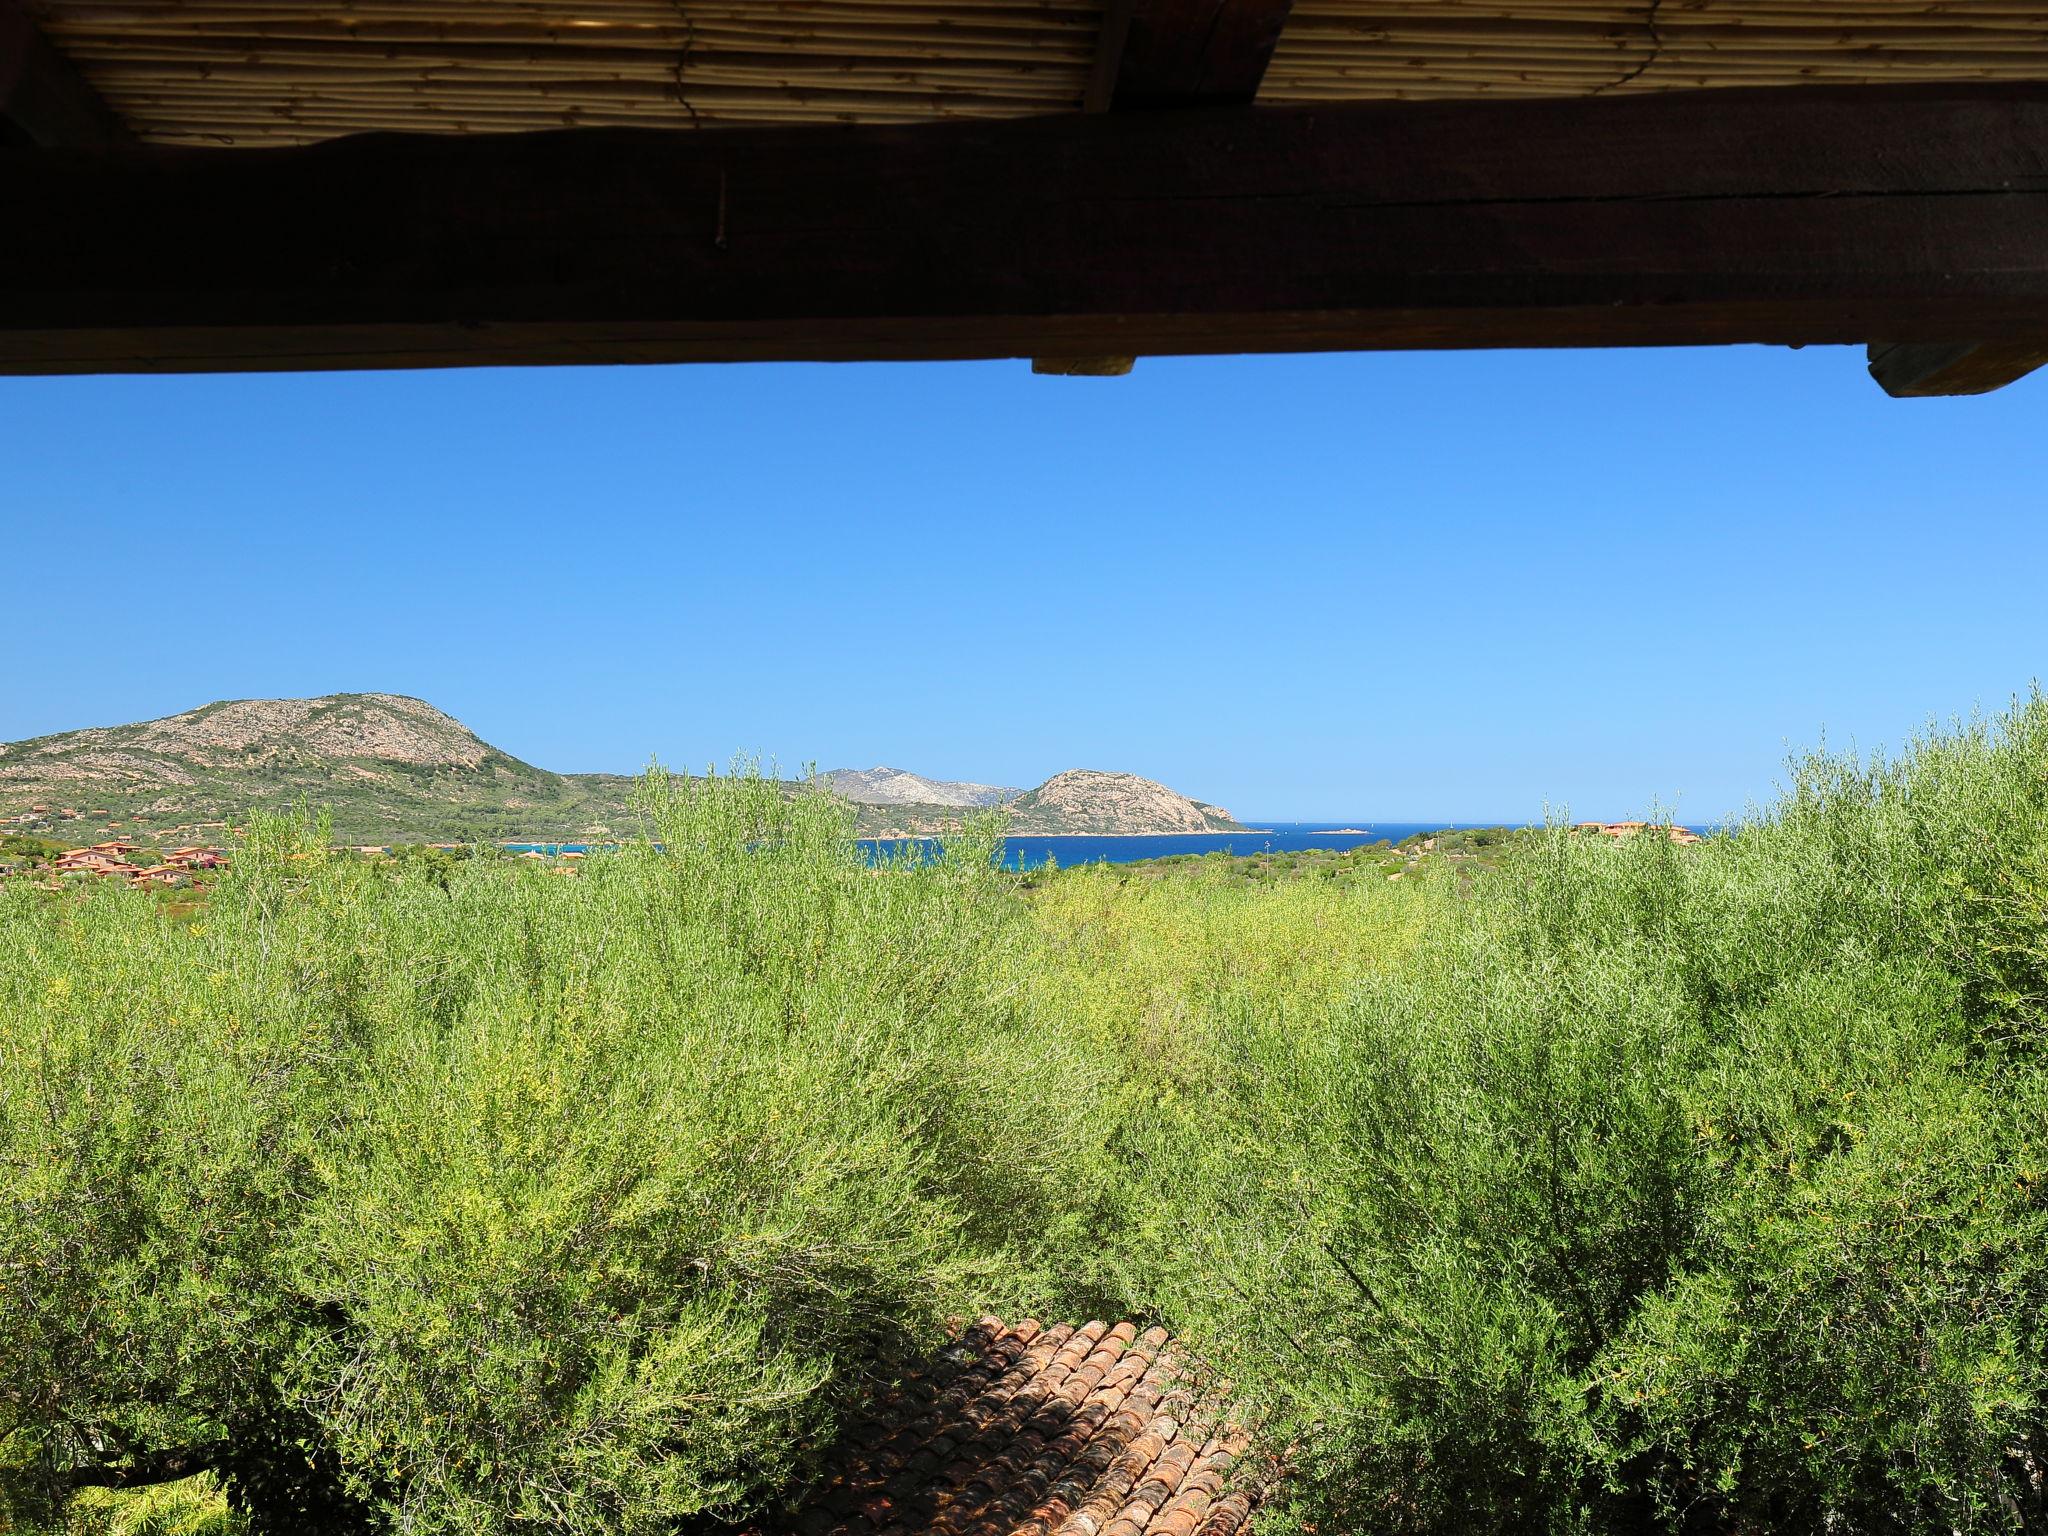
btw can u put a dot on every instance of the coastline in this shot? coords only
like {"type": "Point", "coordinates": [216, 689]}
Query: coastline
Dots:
{"type": "Point", "coordinates": [1391, 832]}
{"type": "Point", "coordinates": [886, 837]}
{"type": "Point", "coordinates": [898, 836]}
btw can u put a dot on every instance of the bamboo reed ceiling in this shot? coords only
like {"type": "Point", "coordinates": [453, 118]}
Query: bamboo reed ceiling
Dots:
{"type": "Point", "coordinates": [287, 71]}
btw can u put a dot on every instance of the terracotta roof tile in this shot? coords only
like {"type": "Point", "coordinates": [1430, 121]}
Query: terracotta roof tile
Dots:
{"type": "Point", "coordinates": [1034, 1431]}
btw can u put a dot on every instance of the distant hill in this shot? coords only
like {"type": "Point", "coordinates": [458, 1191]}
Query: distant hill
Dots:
{"type": "Point", "coordinates": [897, 786]}
{"type": "Point", "coordinates": [1079, 801]}
{"type": "Point", "coordinates": [1084, 800]}
{"type": "Point", "coordinates": [390, 769]}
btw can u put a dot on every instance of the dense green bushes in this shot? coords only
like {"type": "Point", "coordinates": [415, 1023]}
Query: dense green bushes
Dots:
{"type": "Point", "coordinates": [1699, 1189]}
{"type": "Point", "coordinates": [1623, 1187]}
{"type": "Point", "coordinates": [477, 1199]}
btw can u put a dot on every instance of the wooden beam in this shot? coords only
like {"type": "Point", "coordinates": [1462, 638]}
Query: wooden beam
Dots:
{"type": "Point", "coordinates": [1800, 216]}
{"type": "Point", "coordinates": [1191, 53]}
{"type": "Point", "coordinates": [1909, 370]}
{"type": "Point", "coordinates": [1207, 54]}
{"type": "Point", "coordinates": [43, 97]}
{"type": "Point", "coordinates": [1084, 367]}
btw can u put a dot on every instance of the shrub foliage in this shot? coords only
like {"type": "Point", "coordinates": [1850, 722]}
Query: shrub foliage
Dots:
{"type": "Point", "coordinates": [1663, 1188]}
{"type": "Point", "coordinates": [473, 1199]}
{"type": "Point", "coordinates": [1623, 1187]}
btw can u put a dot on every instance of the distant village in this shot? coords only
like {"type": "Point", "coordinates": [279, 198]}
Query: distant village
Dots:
{"type": "Point", "coordinates": [118, 858]}
{"type": "Point", "coordinates": [27, 850]}
{"type": "Point", "coordinates": [113, 860]}
{"type": "Point", "coordinates": [33, 854]}
{"type": "Point", "coordinates": [1621, 829]}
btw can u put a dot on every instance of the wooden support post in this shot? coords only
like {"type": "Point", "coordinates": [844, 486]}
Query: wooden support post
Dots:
{"type": "Point", "coordinates": [1196, 53]}
{"type": "Point", "coordinates": [1154, 54]}
{"type": "Point", "coordinates": [43, 97]}
{"type": "Point", "coordinates": [1914, 370]}
{"type": "Point", "coordinates": [1824, 215]}
{"type": "Point", "coordinates": [1109, 56]}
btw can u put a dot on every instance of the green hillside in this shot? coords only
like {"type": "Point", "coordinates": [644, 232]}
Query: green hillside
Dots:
{"type": "Point", "coordinates": [388, 769]}
{"type": "Point", "coordinates": [385, 767]}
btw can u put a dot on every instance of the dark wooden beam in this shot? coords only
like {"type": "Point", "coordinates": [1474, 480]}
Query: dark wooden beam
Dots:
{"type": "Point", "coordinates": [1191, 53]}
{"type": "Point", "coordinates": [1802, 216]}
{"type": "Point", "coordinates": [1915, 369]}
{"type": "Point", "coordinates": [43, 97]}
{"type": "Point", "coordinates": [1168, 54]}
{"type": "Point", "coordinates": [1084, 367]}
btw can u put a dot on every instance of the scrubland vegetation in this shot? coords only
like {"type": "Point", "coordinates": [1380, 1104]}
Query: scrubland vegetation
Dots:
{"type": "Point", "coordinates": [1618, 1187]}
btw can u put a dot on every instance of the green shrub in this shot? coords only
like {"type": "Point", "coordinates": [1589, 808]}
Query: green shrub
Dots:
{"type": "Point", "coordinates": [1616, 1187]}
{"type": "Point", "coordinates": [1681, 1188]}
{"type": "Point", "coordinates": [481, 1197]}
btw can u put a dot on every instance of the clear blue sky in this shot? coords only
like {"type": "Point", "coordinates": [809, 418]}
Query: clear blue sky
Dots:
{"type": "Point", "coordinates": [1452, 586]}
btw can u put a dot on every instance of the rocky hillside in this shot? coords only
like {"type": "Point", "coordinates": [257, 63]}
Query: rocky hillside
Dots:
{"type": "Point", "coordinates": [391, 769]}
{"type": "Point", "coordinates": [386, 767]}
{"type": "Point", "coordinates": [1084, 800]}
{"type": "Point", "coordinates": [897, 786]}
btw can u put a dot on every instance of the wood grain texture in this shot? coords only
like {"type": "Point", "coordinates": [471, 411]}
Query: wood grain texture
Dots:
{"type": "Point", "coordinates": [1831, 215]}
{"type": "Point", "coordinates": [1913, 370]}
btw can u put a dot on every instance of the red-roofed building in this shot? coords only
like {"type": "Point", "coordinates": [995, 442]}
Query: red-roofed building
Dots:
{"type": "Point", "coordinates": [95, 864]}
{"type": "Point", "coordinates": [1620, 829]}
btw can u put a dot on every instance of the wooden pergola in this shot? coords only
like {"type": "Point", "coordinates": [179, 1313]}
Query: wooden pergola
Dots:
{"type": "Point", "coordinates": [193, 185]}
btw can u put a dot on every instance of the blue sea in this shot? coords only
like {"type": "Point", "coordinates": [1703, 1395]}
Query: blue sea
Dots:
{"type": "Point", "coordinates": [1032, 852]}
{"type": "Point", "coordinates": [1276, 837]}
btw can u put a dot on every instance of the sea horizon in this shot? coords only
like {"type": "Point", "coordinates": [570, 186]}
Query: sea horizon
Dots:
{"type": "Point", "coordinates": [1027, 851]}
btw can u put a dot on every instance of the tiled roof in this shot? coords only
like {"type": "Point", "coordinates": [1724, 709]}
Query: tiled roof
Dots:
{"type": "Point", "coordinates": [1031, 1431]}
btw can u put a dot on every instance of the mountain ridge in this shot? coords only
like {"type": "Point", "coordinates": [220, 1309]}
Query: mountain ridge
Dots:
{"type": "Point", "coordinates": [1090, 800]}
{"type": "Point", "coordinates": [389, 767]}
{"type": "Point", "coordinates": [899, 786]}
{"type": "Point", "coordinates": [384, 765]}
